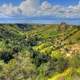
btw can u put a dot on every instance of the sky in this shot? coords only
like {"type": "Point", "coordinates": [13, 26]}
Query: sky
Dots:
{"type": "Point", "coordinates": [40, 11]}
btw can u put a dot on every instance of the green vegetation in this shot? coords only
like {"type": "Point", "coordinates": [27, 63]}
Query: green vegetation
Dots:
{"type": "Point", "coordinates": [39, 52]}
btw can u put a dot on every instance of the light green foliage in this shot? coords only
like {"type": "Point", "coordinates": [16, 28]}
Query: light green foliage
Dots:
{"type": "Point", "coordinates": [56, 54]}
{"type": "Point", "coordinates": [78, 71]}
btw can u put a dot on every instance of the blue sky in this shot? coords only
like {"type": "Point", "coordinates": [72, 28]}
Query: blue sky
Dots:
{"type": "Point", "coordinates": [61, 2]}
{"type": "Point", "coordinates": [15, 2]}
{"type": "Point", "coordinates": [40, 11]}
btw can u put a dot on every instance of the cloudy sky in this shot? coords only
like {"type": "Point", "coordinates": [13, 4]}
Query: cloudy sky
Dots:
{"type": "Point", "coordinates": [40, 11]}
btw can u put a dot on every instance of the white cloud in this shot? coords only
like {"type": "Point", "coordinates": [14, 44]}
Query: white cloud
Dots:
{"type": "Point", "coordinates": [60, 11]}
{"type": "Point", "coordinates": [8, 10]}
{"type": "Point", "coordinates": [27, 7]}
{"type": "Point", "coordinates": [30, 8]}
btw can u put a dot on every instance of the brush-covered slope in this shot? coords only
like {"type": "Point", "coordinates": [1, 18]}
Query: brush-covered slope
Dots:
{"type": "Point", "coordinates": [39, 52]}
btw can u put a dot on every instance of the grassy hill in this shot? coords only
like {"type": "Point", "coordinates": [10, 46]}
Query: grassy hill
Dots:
{"type": "Point", "coordinates": [39, 52]}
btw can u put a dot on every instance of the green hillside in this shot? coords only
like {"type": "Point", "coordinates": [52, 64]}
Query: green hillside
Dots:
{"type": "Point", "coordinates": [39, 52]}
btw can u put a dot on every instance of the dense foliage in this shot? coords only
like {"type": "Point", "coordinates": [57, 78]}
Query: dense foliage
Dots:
{"type": "Point", "coordinates": [39, 52]}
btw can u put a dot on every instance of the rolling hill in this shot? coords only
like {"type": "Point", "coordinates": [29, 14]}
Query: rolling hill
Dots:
{"type": "Point", "coordinates": [39, 52]}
